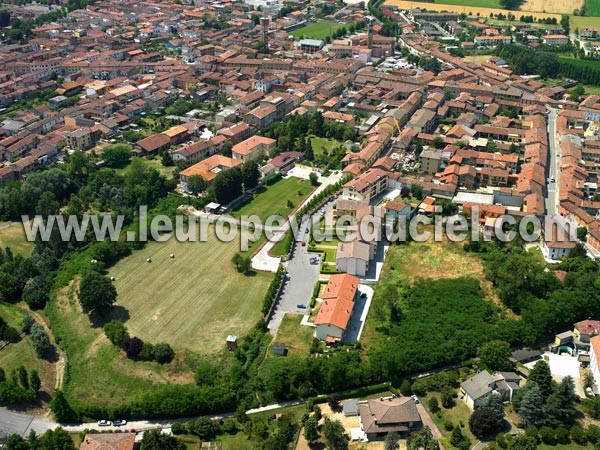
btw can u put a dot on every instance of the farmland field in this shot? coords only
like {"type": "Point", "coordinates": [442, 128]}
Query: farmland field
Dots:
{"type": "Point", "coordinates": [192, 301]}
{"type": "Point", "coordinates": [273, 199]}
{"type": "Point", "coordinates": [592, 7]}
{"type": "Point", "coordinates": [477, 10]}
{"type": "Point", "coordinates": [317, 30]}
{"type": "Point", "coordinates": [480, 3]}
{"type": "Point", "coordinates": [584, 21]}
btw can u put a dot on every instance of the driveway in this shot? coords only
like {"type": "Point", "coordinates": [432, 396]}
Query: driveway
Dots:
{"type": "Point", "coordinates": [359, 314]}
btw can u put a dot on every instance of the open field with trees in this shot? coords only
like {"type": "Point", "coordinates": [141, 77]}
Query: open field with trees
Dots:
{"type": "Point", "coordinates": [317, 30]}
{"type": "Point", "coordinates": [171, 300]}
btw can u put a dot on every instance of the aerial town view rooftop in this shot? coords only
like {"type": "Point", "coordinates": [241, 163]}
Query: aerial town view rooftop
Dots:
{"type": "Point", "coordinates": [299, 224]}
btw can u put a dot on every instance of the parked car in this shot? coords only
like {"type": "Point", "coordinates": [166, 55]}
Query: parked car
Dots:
{"type": "Point", "coordinates": [589, 392]}
{"type": "Point", "coordinates": [119, 422]}
{"type": "Point", "coordinates": [104, 423]}
{"type": "Point", "coordinates": [363, 295]}
{"type": "Point", "coordinates": [415, 398]}
{"type": "Point", "coordinates": [301, 306]}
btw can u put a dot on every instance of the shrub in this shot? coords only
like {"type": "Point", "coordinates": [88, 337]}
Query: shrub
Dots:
{"type": "Point", "coordinates": [562, 435]}
{"type": "Point", "coordinates": [132, 346]}
{"type": "Point", "coordinates": [163, 353]}
{"type": "Point", "coordinates": [578, 435]}
{"type": "Point", "coordinates": [147, 353]}
{"type": "Point", "coordinates": [178, 428]}
{"type": "Point", "coordinates": [593, 434]}
{"type": "Point", "coordinates": [116, 332]}
{"type": "Point", "coordinates": [434, 405]}
{"type": "Point", "coordinates": [39, 339]}
{"type": "Point", "coordinates": [27, 324]}
{"type": "Point", "coordinates": [547, 435]}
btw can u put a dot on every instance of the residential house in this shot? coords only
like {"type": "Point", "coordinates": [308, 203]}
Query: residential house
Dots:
{"type": "Point", "coordinates": [208, 169]}
{"type": "Point", "coordinates": [336, 309]}
{"type": "Point", "coordinates": [253, 148]}
{"type": "Point", "coordinates": [353, 257]}
{"type": "Point", "coordinates": [384, 415]}
{"type": "Point", "coordinates": [108, 441]}
{"type": "Point", "coordinates": [479, 387]}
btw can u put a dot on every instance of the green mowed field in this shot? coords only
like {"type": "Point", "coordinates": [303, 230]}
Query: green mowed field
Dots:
{"type": "Point", "coordinates": [99, 374]}
{"type": "Point", "coordinates": [580, 62]}
{"type": "Point", "coordinates": [317, 30]}
{"type": "Point", "coordinates": [592, 7]}
{"type": "Point", "coordinates": [19, 353]}
{"type": "Point", "coordinates": [192, 301]}
{"type": "Point", "coordinates": [478, 3]}
{"type": "Point", "coordinates": [273, 199]}
{"type": "Point", "coordinates": [13, 235]}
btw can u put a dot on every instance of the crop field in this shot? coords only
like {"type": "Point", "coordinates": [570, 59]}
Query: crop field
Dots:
{"type": "Point", "coordinates": [581, 62]}
{"type": "Point", "coordinates": [317, 30]}
{"type": "Point", "coordinates": [464, 6]}
{"type": "Point", "coordinates": [480, 3]}
{"type": "Point", "coordinates": [273, 199]}
{"type": "Point", "coordinates": [551, 6]}
{"type": "Point", "coordinates": [192, 301]}
{"type": "Point", "coordinates": [592, 7]}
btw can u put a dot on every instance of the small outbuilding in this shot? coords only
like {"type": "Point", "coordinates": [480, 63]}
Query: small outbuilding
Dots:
{"type": "Point", "coordinates": [231, 342]}
{"type": "Point", "coordinates": [213, 208]}
{"type": "Point", "coordinates": [279, 349]}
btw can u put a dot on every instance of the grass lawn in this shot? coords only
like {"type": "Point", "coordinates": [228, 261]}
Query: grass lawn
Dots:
{"type": "Point", "coordinates": [13, 235]}
{"type": "Point", "coordinates": [281, 248]}
{"type": "Point", "coordinates": [480, 3]}
{"type": "Point", "coordinates": [273, 199]}
{"type": "Point", "coordinates": [297, 338]}
{"type": "Point", "coordinates": [181, 301]}
{"type": "Point", "coordinates": [319, 145]}
{"type": "Point", "coordinates": [458, 415]}
{"type": "Point", "coordinates": [317, 30]}
{"type": "Point", "coordinates": [571, 446]}
{"type": "Point", "coordinates": [20, 353]}
{"type": "Point", "coordinates": [155, 164]}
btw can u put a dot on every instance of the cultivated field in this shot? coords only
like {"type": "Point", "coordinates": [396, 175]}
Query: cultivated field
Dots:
{"type": "Point", "coordinates": [583, 22]}
{"type": "Point", "coordinates": [192, 301]}
{"type": "Point", "coordinates": [317, 30]}
{"type": "Point", "coordinates": [592, 7]}
{"type": "Point", "coordinates": [554, 6]}
{"type": "Point", "coordinates": [476, 10]}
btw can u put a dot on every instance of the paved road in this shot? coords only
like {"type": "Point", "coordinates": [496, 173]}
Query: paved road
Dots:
{"type": "Point", "coordinates": [552, 195]}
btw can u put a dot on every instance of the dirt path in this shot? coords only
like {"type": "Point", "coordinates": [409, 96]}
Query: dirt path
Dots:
{"type": "Point", "coordinates": [55, 369]}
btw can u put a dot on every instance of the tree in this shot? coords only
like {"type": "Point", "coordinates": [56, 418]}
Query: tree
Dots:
{"type": "Point", "coordinates": [28, 322]}
{"type": "Point", "coordinates": [196, 184]}
{"type": "Point", "coordinates": [565, 23]}
{"type": "Point", "coordinates": [15, 442]}
{"type": "Point", "coordinates": [335, 435]}
{"type": "Point", "coordinates": [314, 178]}
{"type": "Point", "coordinates": [226, 149]}
{"type": "Point", "coordinates": [167, 159]}
{"type": "Point", "coordinates": [4, 18]}
{"type": "Point", "coordinates": [117, 155]}
{"type": "Point", "coordinates": [237, 260]}
{"type": "Point", "coordinates": [458, 439]}
{"type": "Point", "coordinates": [163, 353]}
{"type": "Point", "coordinates": [447, 399]}
{"type": "Point", "coordinates": [61, 409]}
{"type": "Point", "coordinates": [39, 339]}
{"type": "Point", "coordinates": [203, 427]}
{"type": "Point", "coordinates": [318, 413]}
{"type": "Point", "coordinates": [309, 153]}
{"type": "Point", "coordinates": [56, 439]}
{"type": "Point", "coordinates": [423, 440]}
{"type": "Point", "coordinates": [540, 374]}
{"type": "Point", "coordinates": [392, 441]}
{"type": "Point", "coordinates": [157, 440]}
{"type": "Point", "coordinates": [582, 233]}
{"type": "Point", "coordinates": [483, 422]}
{"type": "Point", "coordinates": [250, 174]}
{"type": "Point", "coordinates": [311, 433]}
{"type": "Point", "coordinates": [434, 405]}
{"type": "Point", "coordinates": [560, 405]}
{"type": "Point", "coordinates": [96, 293]}
{"type": "Point", "coordinates": [495, 355]}
{"type": "Point", "coordinates": [47, 205]}
{"type": "Point", "coordinates": [34, 380]}
{"type": "Point", "coordinates": [334, 402]}
{"type": "Point", "coordinates": [523, 442]}
{"type": "Point", "coordinates": [132, 346]}
{"type": "Point", "coordinates": [406, 387]}
{"type": "Point", "coordinates": [36, 292]}
{"type": "Point", "coordinates": [245, 265]}
{"type": "Point", "coordinates": [531, 411]}
{"type": "Point", "coordinates": [116, 332]}
{"type": "Point", "coordinates": [416, 191]}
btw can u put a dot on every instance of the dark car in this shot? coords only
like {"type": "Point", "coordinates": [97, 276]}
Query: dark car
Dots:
{"type": "Point", "coordinates": [119, 422]}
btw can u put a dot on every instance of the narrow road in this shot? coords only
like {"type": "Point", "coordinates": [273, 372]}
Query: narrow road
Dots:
{"type": "Point", "coordinates": [552, 194]}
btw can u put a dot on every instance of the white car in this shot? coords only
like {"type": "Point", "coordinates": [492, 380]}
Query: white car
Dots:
{"type": "Point", "coordinates": [104, 423]}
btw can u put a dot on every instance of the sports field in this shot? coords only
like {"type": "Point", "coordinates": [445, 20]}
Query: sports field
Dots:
{"type": "Point", "coordinates": [317, 30]}
{"type": "Point", "coordinates": [192, 301]}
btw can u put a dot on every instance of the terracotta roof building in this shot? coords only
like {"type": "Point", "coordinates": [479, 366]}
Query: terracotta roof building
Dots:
{"type": "Point", "coordinates": [336, 309]}
{"type": "Point", "coordinates": [108, 441]}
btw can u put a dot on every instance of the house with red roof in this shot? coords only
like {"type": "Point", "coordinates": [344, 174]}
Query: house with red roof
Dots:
{"type": "Point", "coordinates": [336, 308]}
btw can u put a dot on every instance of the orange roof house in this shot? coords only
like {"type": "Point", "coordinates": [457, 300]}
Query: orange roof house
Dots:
{"type": "Point", "coordinates": [108, 441]}
{"type": "Point", "coordinates": [208, 168]}
{"type": "Point", "coordinates": [336, 309]}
